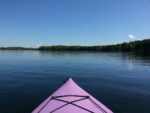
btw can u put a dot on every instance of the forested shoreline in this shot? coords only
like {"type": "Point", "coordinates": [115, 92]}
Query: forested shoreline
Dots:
{"type": "Point", "coordinates": [140, 46]}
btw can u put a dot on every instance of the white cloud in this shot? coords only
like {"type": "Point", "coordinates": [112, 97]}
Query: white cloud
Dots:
{"type": "Point", "coordinates": [38, 45]}
{"type": "Point", "coordinates": [131, 37]}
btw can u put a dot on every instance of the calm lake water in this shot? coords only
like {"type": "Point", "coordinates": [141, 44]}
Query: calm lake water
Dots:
{"type": "Point", "coordinates": [121, 81]}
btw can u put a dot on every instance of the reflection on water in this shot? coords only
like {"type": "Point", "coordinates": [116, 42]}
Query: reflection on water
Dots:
{"type": "Point", "coordinates": [120, 80]}
{"type": "Point", "coordinates": [130, 65]}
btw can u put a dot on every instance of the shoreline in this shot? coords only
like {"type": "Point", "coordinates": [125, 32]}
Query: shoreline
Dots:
{"type": "Point", "coordinates": [139, 47]}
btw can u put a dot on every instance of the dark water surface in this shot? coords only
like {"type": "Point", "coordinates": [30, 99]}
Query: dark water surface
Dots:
{"type": "Point", "coordinates": [120, 81]}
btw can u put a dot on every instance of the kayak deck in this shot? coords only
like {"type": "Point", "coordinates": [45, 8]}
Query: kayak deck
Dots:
{"type": "Point", "coordinates": [70, 98]}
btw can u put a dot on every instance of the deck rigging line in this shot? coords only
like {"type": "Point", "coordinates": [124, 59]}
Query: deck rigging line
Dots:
{"type": "Point", "coordinates": [58, 98]}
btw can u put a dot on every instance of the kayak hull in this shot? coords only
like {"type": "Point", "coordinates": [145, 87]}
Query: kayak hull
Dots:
{"type": "Point", "coordinates": [71, 98]}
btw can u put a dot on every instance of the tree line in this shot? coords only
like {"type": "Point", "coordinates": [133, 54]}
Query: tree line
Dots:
{"type": "Point", "coordinates": [139, 47]}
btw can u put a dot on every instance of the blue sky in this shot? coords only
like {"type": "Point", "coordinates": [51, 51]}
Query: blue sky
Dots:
{"type": "Point", "coordinates": [73, 22]}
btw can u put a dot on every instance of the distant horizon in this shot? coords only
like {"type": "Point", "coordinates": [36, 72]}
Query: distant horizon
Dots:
{"type": "Point", "coordinates": [66, 22]}
{"type": "Point", "coordinates": [73, 45]}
